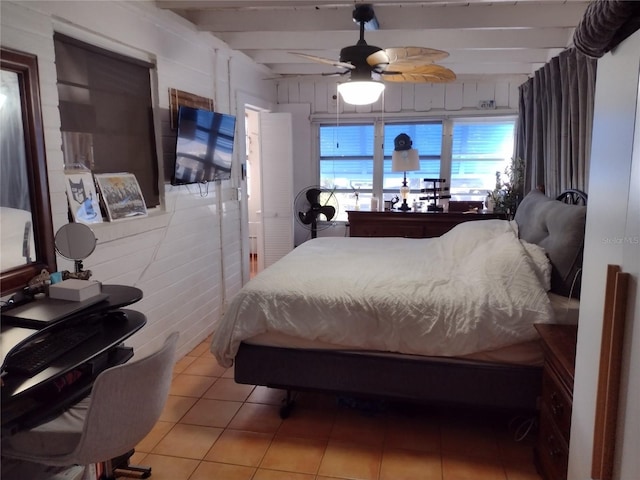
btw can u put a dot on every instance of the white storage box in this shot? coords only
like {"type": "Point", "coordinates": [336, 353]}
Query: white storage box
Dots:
{"type": "Point", "coordinates": [75, 290]}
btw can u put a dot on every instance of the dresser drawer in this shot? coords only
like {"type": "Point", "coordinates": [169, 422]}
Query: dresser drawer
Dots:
{"type": "Point", "coordinates": [557, 402]}
{"type": "Point", "coordinates": [552, 450]}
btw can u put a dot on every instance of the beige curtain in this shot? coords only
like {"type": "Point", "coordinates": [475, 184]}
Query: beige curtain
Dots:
{"type": "Point", "coordinates": [554, 123]}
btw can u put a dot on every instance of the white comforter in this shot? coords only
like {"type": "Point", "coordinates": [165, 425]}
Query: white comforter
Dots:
{"type": "Point", "coordinates": [476, 288]}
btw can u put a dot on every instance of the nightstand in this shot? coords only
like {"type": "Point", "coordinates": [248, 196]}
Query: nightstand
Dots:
{"type": "Point", "coordinates": [552, 449]}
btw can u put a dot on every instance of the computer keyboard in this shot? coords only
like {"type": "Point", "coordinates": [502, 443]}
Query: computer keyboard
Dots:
{"type": "Point", "coordinates": [42, 351]}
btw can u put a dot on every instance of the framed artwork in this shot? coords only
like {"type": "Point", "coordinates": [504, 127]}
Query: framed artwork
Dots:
{"type": "Point", "coordinates": [83, 199]}
{"type": "Point", "coordinates": [121, 196]}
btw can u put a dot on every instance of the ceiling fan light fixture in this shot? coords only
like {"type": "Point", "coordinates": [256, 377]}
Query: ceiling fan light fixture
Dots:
{"type": "Point", "coordinates": [360, 92]}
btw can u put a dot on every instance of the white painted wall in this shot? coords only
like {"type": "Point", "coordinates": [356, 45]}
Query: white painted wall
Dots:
{"type": "Point", "coordinates": [186, 256]}
{"type": "Point", "coordinates": [612, 237]}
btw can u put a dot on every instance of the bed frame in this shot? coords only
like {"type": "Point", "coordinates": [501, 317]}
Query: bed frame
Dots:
{"type": "Point", "coordinates": [435, 380]}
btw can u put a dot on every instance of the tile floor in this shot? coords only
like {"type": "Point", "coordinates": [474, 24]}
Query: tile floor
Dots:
{"type": "Point", "coordinates": [215, 429]}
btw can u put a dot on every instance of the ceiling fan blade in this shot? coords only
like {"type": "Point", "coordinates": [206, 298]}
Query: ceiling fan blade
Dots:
{"type": "Point", "coordinates": [326, 61]}
{"type": "Point", "coordinates": [421, 74]}
{"type": "Point", "coordinates": [414, 55]}
{"type": "Point", "coordinates": [378, 59]}
{"type": "Point", "coordinates": [328, 211]}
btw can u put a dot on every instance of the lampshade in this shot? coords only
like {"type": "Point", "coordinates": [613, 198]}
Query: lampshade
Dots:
{"type": "Point", "coordinates": [360, 92]}
{"type": "Point", "coordinates": [405, 160]}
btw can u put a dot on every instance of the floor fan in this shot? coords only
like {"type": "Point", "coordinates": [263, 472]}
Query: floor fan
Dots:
{"type": "Point", "coordinates": [315, 207]}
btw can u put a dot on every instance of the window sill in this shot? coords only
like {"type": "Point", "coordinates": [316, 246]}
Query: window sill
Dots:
{"type": "Point", "coordinates": [109, 231]}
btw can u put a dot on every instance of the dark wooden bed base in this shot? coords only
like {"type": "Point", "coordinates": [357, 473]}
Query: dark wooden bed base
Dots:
{"type": "Point", "coordinates": [435, 380]}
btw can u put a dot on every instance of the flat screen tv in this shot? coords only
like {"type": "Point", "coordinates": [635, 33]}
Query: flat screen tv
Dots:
{"type": "Point", "coordinates": [204, 146]}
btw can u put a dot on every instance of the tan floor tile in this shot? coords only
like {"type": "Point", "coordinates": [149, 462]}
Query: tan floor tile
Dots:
{"type": "Point", "coordinates": [413, 434]}
{"type": "Point", "coordinates": [188, 441]}
{"type": "Point", "coordinates": [473, 440]}
{"type": "Point", "coordinates": [159, 430]}
{"type": "Point", "coordinates": [521, 470]}
{"type": "Point", "coordinates": [410, 465]}
{"type": "Point", "coordinates": [266, 395]}
{"type": "Point", "coordinates": [164, 467]}
{"type": "Point", "coordinates": [291, 454]}
{"type": "Point", "coordinates": [353, 427]}
{"type": "Point", "coordinates": [255, 417]}
{"type": "Point", "coordinates": [229, 373]}
{"type": "Point", "coordinates": [240, 448]}
{"type": "Point", "coordinates": [205, 365]}
{"type": "Point", "coordinates": [455, 466]}
{"type": "Point", "coordinates": [264, 474]}
{"type": "Point", "coordinates": [222, 471]}
{"type": "Point", "coordinates": [176, 407]}
{"type": "Point", "coordinates": [308, 422]}
{"type": "Point", "coordinates": [211, 413]}
{"type": "Point", "coordinates": [190, 385]}
{"type": "Point", "coordinates": [183, 363]}
{"type": "Point", "coordinates": [228, 389]}
{"type": "Point", "coordinates": [354, 461]}
{"type": "Point", "coordinates": [200, 349]}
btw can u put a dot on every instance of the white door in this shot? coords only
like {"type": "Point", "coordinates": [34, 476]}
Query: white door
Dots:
{"type": "Point", "coordinates": [276, 174]}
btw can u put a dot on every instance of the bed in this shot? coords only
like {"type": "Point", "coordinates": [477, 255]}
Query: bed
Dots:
{"type": "Point", "coordinates": [446, 320]}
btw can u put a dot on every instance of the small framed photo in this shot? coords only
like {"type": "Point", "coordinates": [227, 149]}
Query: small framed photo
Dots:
{"type": "Point", "coordinates": [82, 196]}
{"type": "Point", "coordinates": [121, 196]}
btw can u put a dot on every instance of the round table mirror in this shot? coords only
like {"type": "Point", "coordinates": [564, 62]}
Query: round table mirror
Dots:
{"type": "Point", "coordinates": [75, 241]}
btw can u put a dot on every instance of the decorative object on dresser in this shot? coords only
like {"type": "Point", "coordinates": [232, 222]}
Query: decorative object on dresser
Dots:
{"type": "Point", "coordinates": [552, 450]}
{"type": "Point", "coordinates": [404, 159]}
{"type": "Point", "coordinates": [409, 225]}
{"type": "Point", "coordinates": [435, 193]}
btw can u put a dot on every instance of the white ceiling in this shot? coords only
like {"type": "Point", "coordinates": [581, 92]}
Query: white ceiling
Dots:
{"type": "Point", "coordinates": [484, 38]}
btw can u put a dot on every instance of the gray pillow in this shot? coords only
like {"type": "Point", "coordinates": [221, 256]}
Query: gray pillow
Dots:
{"type": "Point", "coordinates": [559, 229]}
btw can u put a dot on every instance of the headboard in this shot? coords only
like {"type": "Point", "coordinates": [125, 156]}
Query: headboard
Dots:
{"type": "Point", "coordinates": [557, 227]}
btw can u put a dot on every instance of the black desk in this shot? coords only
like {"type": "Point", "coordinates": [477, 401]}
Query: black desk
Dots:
{"type": "Point", "coordinates": [26, 402]}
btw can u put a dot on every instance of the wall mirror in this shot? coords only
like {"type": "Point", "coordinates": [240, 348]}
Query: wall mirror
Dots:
{"type": "Point", "coordinates": [25, 215]}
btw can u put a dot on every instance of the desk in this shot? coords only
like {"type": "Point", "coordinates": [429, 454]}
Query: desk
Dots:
{"type": "Point", "coordinates": [28, 401]}
{"type": "Point", "coordinates": [409, 224]}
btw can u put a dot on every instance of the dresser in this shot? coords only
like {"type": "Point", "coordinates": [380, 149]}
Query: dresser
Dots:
{"type": "Point", "coordinates": [552, 449]}
{"type": "Point", "coordinates": [409, 224]}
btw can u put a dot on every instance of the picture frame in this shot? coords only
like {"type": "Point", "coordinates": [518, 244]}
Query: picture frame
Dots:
{"type": "Point", "coordinates": [82, 197]}
{"type": "Point", "coordinates": [121, 196]}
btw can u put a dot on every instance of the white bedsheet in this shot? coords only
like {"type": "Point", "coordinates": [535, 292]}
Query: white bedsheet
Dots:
{"type": "Point", "coordinates": [475, 288]}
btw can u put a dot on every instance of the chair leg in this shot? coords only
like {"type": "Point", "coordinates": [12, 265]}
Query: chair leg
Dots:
{"type": "Point", "coordinates": [120, 467]}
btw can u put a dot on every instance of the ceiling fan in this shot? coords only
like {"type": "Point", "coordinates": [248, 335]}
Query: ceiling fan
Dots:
{"type": "Point", "coordinates": [369, 64]}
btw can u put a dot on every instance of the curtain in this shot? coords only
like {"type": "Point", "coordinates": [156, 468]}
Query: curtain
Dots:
{"type": "Point", "coordinates": [554, 124]}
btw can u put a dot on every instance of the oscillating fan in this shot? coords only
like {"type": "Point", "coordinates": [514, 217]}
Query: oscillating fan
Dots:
{"type": "Point", "coordinates": [313, 204]}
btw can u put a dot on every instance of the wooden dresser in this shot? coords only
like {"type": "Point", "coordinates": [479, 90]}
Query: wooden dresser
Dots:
{"type": "Point", "coordinates": [409, 224]}
{"type": "Point", "coordinates": [552, 449]}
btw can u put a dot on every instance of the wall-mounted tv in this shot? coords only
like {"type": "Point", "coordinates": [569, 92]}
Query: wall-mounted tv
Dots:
{"type": "Point", "coordinates": [204, 146]}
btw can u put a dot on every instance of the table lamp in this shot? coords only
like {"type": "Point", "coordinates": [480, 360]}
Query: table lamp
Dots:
{"type": "Point", "coordinates": [404, 159]}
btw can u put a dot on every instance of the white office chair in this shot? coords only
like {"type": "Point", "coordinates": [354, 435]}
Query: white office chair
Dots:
{"type": "Point", "coordinates": [125, 403]}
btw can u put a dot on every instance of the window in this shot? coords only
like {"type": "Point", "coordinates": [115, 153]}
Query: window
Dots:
{"type": "Point", "coordinates": [357, 167]}
{"type": "Point", "coordinates": [346, 164]}
{"type": "Point", "coordinates": [427, 139]}
{"type": "Point", "coordinates": [106, 113]}
{"type": "Point", "coordinates": [480, 148]}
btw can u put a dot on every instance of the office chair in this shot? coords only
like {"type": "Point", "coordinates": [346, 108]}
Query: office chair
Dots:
{"type": "Point", "coordinates": [125, 403]}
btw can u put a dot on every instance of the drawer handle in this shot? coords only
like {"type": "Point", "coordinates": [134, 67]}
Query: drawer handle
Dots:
{"type": "Point", "coordinates": [553, 450]}
{"type": "Point", "coordinates": [557, 406]}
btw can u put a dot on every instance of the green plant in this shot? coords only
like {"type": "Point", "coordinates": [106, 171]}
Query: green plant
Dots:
{"type": "Point", "coordinates": [507, 195]}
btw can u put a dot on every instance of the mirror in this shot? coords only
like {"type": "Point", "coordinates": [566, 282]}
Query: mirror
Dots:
{"type": "Point", "coordinates": [25, 220]}
{"type": "Point", "coordinates": [75, 241]}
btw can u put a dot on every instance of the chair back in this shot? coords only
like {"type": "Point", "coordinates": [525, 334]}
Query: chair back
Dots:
{"type": "Point", "coordinates": [126, 402]}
